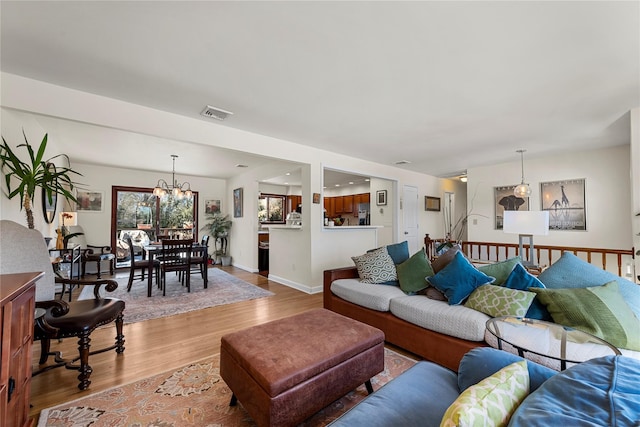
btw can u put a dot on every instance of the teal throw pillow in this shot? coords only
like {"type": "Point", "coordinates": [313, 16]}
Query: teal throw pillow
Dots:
{"type": "Point", "coordinates": [399, 252]}
{"type": "Point", "coordinates": [458, 279]}
{"type": "Point", "coordinates": [500, 270]}
{"type": "Point", "coordinates": [598, 310]}
{"type": "Point", "coordinates": [521, 279]}
{"type": "Point", "coordinates": [572, 272]}
{"type": "Point", "coordinates": [497, 301]}
{"type": "Point", "coordinates": [413, 272]}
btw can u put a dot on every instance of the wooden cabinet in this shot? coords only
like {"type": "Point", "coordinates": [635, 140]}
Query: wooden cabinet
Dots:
{"type": "Point", "coordinates": [17, 294]}
{"type": "Point", "coordinates": [330, 206]}
{"type": "Point", "coordinates": [338, 205]}
{"type": "Point", "coordinates": [293, 202]}
{"type": "Point", "coordinates": [347, 204]}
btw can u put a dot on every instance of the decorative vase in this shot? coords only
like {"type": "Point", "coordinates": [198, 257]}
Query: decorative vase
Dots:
{"type": "Point", "coordinates": [59, 240]}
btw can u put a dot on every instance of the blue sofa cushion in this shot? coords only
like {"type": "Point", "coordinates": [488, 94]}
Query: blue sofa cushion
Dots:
{"type": "Point", "coordinates": [481, 362]}
{"type": "Point", "coordinates": [572, 272]}
{"type": "Point", "coordinates": [420, 396]}
{"type": "Point", "coordinates": [599, 392]}
{"type": "Point", "coordinates": [521, 279]}
{"type": "Point", "coordinates": [458, 279]}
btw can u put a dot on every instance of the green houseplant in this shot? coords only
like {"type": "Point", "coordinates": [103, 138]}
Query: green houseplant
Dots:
{"type": "Point", "coordinates": [218, 226]}
{"type": "Point", "coordinates": [23, 178]}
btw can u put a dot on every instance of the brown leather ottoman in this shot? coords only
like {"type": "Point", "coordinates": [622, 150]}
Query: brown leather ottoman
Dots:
{"type": "Point", "coordinates": [286, 370]}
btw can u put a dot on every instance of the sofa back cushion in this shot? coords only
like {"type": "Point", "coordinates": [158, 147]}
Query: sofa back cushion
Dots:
{"type": "Point", "coordinates": [599, 392]}
{"type": "Point", "coordinates": [572, 272]}
{"type": "Point", "coordinates": [482, 362]}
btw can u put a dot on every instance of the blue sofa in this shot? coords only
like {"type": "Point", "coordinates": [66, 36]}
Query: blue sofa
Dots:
{"type": "Point", "coordinates": [600, 392]}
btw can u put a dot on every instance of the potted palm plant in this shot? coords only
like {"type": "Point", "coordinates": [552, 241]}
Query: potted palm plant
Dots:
{"type": "Point", "coordinates": [218, 226]}
{"type": "Point", "coordinates": [23, 178]}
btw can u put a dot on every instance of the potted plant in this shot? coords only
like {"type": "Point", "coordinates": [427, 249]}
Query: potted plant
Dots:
{"type": "Point", "coordinates": [218, 226]}
{"type": "Point", "coordinates": [23, 178]}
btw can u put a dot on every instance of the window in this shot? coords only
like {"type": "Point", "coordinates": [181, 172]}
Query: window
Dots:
{"type": "Point", "coordinates": [271, 208]}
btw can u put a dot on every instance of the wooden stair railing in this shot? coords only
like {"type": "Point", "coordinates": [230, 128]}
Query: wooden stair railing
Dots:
{"type": "Point", "coordinates": [545, 254]}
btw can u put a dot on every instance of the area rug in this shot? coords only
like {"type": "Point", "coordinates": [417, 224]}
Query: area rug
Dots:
{"type": "Point", "coordinates": [223, 288]}
{"type": "Point", "coordinates": [193, 395]}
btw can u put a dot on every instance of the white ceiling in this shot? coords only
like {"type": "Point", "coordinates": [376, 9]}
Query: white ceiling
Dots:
{"type": "Point", "coordinates": [445, 85]}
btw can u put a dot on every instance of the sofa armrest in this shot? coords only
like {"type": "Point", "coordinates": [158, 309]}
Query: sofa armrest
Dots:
{"type": "Point", "coordinates": [335, 274]}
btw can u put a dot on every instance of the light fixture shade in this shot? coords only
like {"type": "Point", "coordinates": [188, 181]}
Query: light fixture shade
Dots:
{"type": "Point", "coordinates": [535, 223]}
{"type": "Point", "coordinates": [522, 190]}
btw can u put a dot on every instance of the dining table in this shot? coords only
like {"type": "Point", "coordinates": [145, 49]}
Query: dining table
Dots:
{"type": "Point", "coordinates": [154, 249]}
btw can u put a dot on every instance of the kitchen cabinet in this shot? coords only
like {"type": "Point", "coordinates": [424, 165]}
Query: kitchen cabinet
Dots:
{"type": "Point", "coordinates": [347, 204]}
{"type": "Point", "coordinates": [17, 296]}
{"type": "Point", "coordinates": [293, 202]}
{"type": "Point", "coordinates": [330, 206]}
{"type": "Point", "coordinates": [338, 205]}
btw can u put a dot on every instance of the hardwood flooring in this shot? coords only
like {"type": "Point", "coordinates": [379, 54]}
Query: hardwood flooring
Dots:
{"type": "Point", "coordinates": [158, 345]}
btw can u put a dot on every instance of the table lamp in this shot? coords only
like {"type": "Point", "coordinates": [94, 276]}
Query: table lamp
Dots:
{"type": "Point", "coordinates": [526, 224]}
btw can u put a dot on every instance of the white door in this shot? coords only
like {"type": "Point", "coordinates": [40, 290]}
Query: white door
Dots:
{"type": "Point", "coordinates": [410, 216]}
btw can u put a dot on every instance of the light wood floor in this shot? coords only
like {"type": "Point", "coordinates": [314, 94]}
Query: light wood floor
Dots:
{"type": "Point", "coordinates": [162, 344]}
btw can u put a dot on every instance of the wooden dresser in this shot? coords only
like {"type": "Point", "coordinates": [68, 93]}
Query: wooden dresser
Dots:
{"type": "Point", "coordinates": [17, 294]}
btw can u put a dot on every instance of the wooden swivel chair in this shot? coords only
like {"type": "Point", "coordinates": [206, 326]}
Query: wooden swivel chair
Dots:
{"type": "Point", "coordinates": [24, 250]}
{"type": "Point", "coordinates": [144, 265]}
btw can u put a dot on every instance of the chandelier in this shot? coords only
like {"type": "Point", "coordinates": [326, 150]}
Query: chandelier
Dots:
{"type": "Point", "coordinates": [175, 188]}
{"type": "Point", "coordinates": [522, 190]}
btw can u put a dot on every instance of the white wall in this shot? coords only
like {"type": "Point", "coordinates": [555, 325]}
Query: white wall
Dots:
{"type": "Point", "coordinates": [634, 176]}
{"type": "Point", "coordinates": [607, 196]}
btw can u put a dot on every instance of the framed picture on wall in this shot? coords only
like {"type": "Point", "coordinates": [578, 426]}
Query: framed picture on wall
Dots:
{"type": "Point", "coordinates": [90, 201]}
{"type": "Point", "coordinates": [237, 203]}
{"type": "Point", "coordinates": [211, 206]}
{"type": "Point", "coordinates": [565, 201]}
{"type": "Point", "coordinates": [505, 200]}
{"type": "Point", "coordinates": [381, 197]}
{"type": "Point", "coordinates": [432, 203]}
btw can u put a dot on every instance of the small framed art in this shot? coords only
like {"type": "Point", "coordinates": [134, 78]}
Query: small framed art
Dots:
{"type": "Point", "coordinates": [381, 197]}
{"type": "Point", "coordinates": [432, 203]}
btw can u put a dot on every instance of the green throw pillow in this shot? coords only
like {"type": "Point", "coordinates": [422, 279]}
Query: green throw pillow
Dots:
{"type": "Point", "coordinates": [500, 270]}
{"type": "Point", "coordinates": [375, 266]}
{"type": "Point", "coordinates": [498, 301]}
{"type": "Point", "coordinates": [492, 401]}
{"type": "Point", "coordinates": [412, 272]}
{"type": "Point", "coordinates": [598, 310]}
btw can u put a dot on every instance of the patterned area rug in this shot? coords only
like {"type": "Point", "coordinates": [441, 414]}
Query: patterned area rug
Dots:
{"type": "Point", "coordinates": [193, 395]}
{"type": "Point", "coordinates": [223, 288]}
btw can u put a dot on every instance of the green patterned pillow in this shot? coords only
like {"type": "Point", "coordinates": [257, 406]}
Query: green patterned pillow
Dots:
{"type": "Point", "coordinates": [375, 266]}
{"type": "Point", "coordinates": [492, 401]}
{"type": "Point", "coordinates": [498, 301]}
{"type": "Point", "coordinates": [597, 310]}
{"type": "Point", "coordinates": [500, 270]}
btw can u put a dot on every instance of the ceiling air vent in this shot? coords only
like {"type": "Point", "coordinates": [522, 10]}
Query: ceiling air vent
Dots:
{"type": "Point", "coordinates": [215, 113]}
{"type": "Point", "coordinates": [402, 162]}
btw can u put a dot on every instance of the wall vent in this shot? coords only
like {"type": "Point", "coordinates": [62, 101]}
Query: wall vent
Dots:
{"type": "Point", "coordinates": [215, 113]}
{"type": "Point", "coordinates": [402, 162]}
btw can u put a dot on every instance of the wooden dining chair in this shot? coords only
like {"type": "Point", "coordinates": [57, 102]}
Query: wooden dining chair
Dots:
{"type": "Point", "coordinates": [144, 265]}
{"type": "Point", "coordinates": [176, 257]}
{"type": "Point", "coordinates": [200, 262]}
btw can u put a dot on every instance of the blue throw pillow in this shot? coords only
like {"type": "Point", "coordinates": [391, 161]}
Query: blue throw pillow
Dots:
{"type": "Point", "coordinates": [458, 279]}
{"type": "Point", "coordinates": [399, 252]}
{"type": "Point", "coordinates": [572, 272]}
{"type": "Point", "coordinates": [521, 279]}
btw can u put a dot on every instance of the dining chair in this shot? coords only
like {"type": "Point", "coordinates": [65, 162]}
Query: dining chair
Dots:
{"type": "Point", "coordinates": [176, 257]}
{"type": "Point", "coordinates": [143, 265]}
{"type": "Point", "coordinates": [199, 263]}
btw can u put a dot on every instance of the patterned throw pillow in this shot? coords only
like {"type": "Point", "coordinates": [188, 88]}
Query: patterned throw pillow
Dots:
{"type": "Point", "coordinates": [375, 266]}
{"type": "Point", "coordinates": [492, 401]}
{"type": "Point", "coordinates": [498, 301]}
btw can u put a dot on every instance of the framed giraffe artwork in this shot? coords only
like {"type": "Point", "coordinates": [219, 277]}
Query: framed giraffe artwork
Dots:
{"type": "Point", "coordinates": [565, 201]}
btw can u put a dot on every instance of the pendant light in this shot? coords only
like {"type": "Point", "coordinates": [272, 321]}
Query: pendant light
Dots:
{"type": "Point", "coordinates": [522, 190]}
{"type": "Point", "coordinates": [177, 189]}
